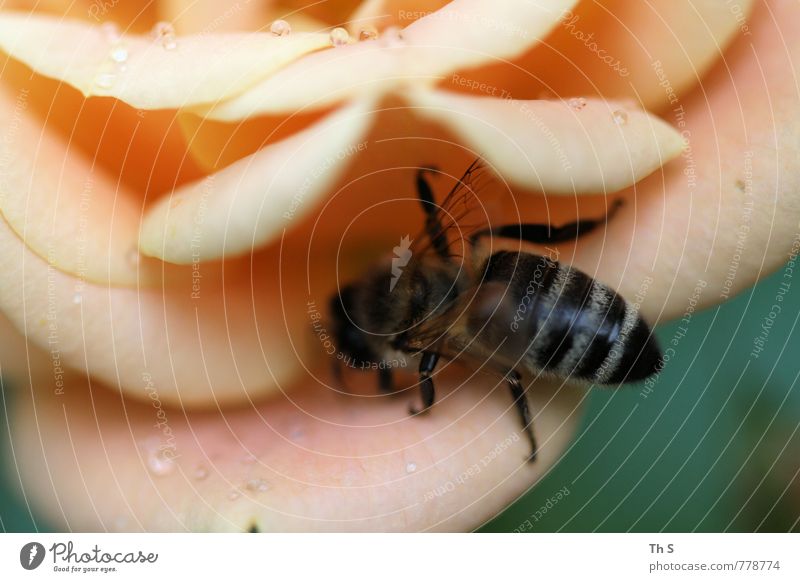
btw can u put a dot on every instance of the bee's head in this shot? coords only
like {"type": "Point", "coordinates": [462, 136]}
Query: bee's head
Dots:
{"type": "Point", "coordinates": [351, 340]}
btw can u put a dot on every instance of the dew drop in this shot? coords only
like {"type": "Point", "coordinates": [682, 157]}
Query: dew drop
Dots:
{"type": "Point", "coordinates": [200, 472]}
{"type": "Point", "coordinates": [105, 80]}
{"type": "Point", "coordinates": [119, 54]}
{"type": "Point", "coordinates": [577, 103]}
{"type": "Point", "coordinates": [158, 464]}
{"type": "Point", "coordinates": [280, 28]}
{"type": "Point", "coordinates": [164, 33]}
{"type": "Point", "coordinates": [111, 31]}
{"type": "Point", "coordinates": [392, 37]}
{"type": "Point", "coordinates": [339, 36]}
{"type": "Point", "coordinates": [411, 467]}
{"type": "Point", "coordinates": [368, 33]}
{"type": "Point", "coordinates": [234, 495]}
{"type": "Point", "coordinates": [257, 486]}
{"type": "Point", "coordinates": [620, 117]}
{"type": "Point", "coordinates": [77, 298]}
{"type": "Point", "coordinates": [133, 257]}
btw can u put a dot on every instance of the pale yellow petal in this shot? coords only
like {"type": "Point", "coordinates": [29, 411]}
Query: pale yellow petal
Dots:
{"type": "Point", "coordinates": [130, 16]}
{"type": "Point", "coordinates": [585, 146]}
{"type": "Point", "coordinates": [317, 81]}
{"type": "Point", "coordinates": [249, 203]}
{"type": "Point", "coordinates": [464, 33]}
{"type": "Point", "coordinates": [205, 339]}
{"type": "Point", "coordinates": [652, 52]}
{"type": "Point", "coordinates": [148, 73]}
{"type": "Point", "coordinates": [467, 33]}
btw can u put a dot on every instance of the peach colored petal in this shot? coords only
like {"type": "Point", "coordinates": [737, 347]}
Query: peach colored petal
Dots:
{"type": "Point", "coordinates": [647, 51]}
{"type": "Point", "coordinates": [329, 14]}
{"type": "Point", "coordinates": [312, 461]}
{"type": "Point", "coordinates": [22, 363]}
{"type": "Point", "coordinates": [144, 72]}
{"type": "Point", "coordinates": [217, 144]}
{"type": "Point", "coordinates": [71, 215]}
{"type": "Point", "coordinates": [381, 14]}
{"type": "Point", "coordinates": [463, 33]}
{"type": "Point", "coordinates": [198, 342]}
{"type": "Point", "coordinates": [582, 146]}
{"type": "Point", "coordinates": [212, 16]}
{"type": "Point", "coordinates": [249, 203]}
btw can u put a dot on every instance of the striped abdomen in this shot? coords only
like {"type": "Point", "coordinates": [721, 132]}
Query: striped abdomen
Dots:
{"type": "Point", "coordinates": [544, 316]}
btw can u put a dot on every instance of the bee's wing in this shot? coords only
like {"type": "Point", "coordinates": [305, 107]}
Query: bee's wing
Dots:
{"type": "Point", "coordinates": [460, 214]}
{"type": "Point", "coordinates": [435, 334]}
{"type": "Point", "coordinates": [440, 331]}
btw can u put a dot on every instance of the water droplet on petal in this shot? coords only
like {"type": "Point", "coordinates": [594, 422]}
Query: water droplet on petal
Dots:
{"type": "Point", "coordinates": [280, 28]}
{"type": "Point", "coordinates": [620, 117]}
{"type": "Point", "coordinates": [234, 495]}
{"type": "Point", "coordinates": [392, 37]}
{"type": "Point", "coordinates": [133, 257]}
{"type": "Point", "coordinates": [77, 298]}
{"type": "Point", "coordinates": [111, 31]}
{"type": "Point", "coordinates": [159, 464]}
{"type": "Point", "coordinates": [411, 467]}
{"type": "Point", "coordinates": [577, 103]}
{"type": "Point", "coordinates": [164, 33]}
{"type": "Point", "coordinates": [119, 54]}
{"type": "Point", "coordinates": [161, 29]}
{"type": "Point", "coordinates": [257, 485]}
{"type": "Point", "coordinates": [339, 36]}
{"type": "Point", "coordinates": [200, 472]}
{"type": "Point", "coordinates": [368, 33]}
{"type": "Point", "coordinates": [105, 80]}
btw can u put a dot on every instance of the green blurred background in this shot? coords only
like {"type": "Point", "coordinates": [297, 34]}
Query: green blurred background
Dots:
{"type": "Point", "coordinates": [714, 446]}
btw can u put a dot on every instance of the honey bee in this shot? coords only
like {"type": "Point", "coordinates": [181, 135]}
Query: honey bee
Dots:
{"type": "Point", "coordinates": [512, 313]}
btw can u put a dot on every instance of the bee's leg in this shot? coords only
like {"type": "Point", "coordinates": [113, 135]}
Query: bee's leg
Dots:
{"type": "Point", "coordinates": [433, 226]}
{"type": "Point", "coordinates": [385, 383]}
{"type": "Point", "coordinates": [426, 367]}
{"type": "Point", "coordinates": [544, 233]}
{"type": "Point", "coordinates": [518, 393]}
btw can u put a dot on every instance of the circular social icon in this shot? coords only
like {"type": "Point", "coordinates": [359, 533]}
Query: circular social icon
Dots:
{"type": "Point", "coordinates": [31, 555]}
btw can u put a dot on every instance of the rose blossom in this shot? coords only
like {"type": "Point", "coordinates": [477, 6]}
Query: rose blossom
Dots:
{"type": "Point", "coordinates": [175, 195]}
